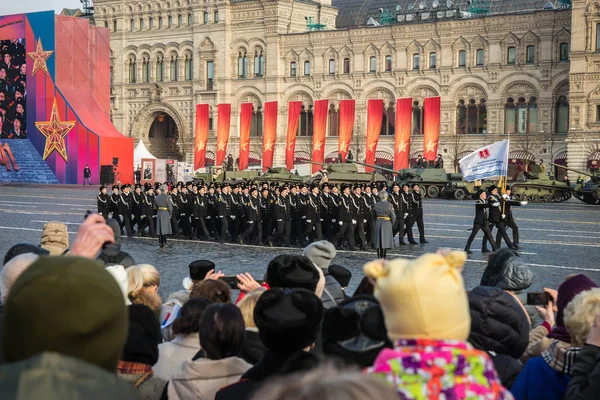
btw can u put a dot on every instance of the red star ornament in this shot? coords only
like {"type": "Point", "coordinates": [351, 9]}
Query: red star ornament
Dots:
{"type": "Point", "coordinates": [55, 131]}
{"type": "Point", "coordinates": [39, 57]}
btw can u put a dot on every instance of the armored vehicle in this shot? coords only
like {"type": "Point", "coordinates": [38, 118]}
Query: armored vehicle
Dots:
{"type": "Point", "coordinates": [343, 173]}
{"type": "Point", "coordinates": [219, 174]}
{"type": "Point", "coordinates": [589, 191]}
{"type": "Point", "coordinates": [539, 186]}
{"type": "Point", "coordinates": [279, 174]}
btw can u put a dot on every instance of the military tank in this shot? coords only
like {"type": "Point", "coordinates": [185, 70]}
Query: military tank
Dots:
{"type": "Point", "coordinates": [343, 173]}
{"type": "Point", "coordinates": [220, 175]}
{"type": "Point", "coordinates": [538, 186]}
{"type": "Point", "coordinates": [433, 182]}
{"type": "Point", "coordinates": [279, 174]}
{"type": "Point", "coordinates": [589, 191]}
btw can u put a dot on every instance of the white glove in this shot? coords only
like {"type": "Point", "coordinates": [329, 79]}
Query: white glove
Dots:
{"type": "Point", "coordinates": [364, 221]}
{"type": "Point", "coordinates": [353, 222]}
{"type": "Point", "coordinates": [208, 217]}
{"type": "Point", "coordinates": [496, 204]}
{"type": "Point", "coordinates": [503, 216]}
{"type": "Point", "coordinates": [333, 220]}
{"type": "Point", "coordinates": [279, 220]}
{"type": "Point", "coordinates": [505, 196]}
{"type": "Point", "coordinates": [523, 203]}
{"type": "Point", "coordinates": [304, 217]}
{"type": "Point", "coordinates": [341, 223]}
{"type": "Point", "coordinates": [405, 215]}
{"type": "Point", "coordinates": [321, 220]}
{"type": "Point", "coordinates": [233, 217]}
{"type": "Point", "coordinates": [308, 220]}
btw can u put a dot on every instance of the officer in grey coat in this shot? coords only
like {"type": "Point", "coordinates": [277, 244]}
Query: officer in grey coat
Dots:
{"type": "Point", "coordinates": [385, 217]}
{"type": "Point", "coordinates": [164, 209]}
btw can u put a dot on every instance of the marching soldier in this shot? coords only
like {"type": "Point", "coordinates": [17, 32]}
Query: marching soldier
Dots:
{"type": "Point", "coordinates": [125, 209]}
{"type": "Point", "coordinates": [346, 218]}
{"type": "Point", "coordinates": [335, 211]}
{"type": "Point", "coordinates": [185, 211]}
{"type": "Point", "coordinates": [103, 202]}
{"type": "Point", "coordinates": [283, 218]}
{"type": "Point", "coordinates": [409, 214]}
{"type": "Point", "coordinates": [296, 213]}
{"type": "Point", "coordinates": [481, 222]}
{"type": "Point", "coordinates": [313, 216]}
{"type": "Point", "coordinates": [211, 211]}
{"type": "Point", "coordinates": [136, 209]}
{"type": "Point", "coordinates": [508, 217]}
{"type": "Point", "coordinates": [370, 201]}
{"type": "Point", "coordinates": [114, 205]}
{"type": "Point", "coordinates": [150, 208]}
{"type": "Point", "coordinates": [359, 215]}
{"type": "Point", "coordinates": [327, 215]}
{"type": "Point", "coordinates": [174, 213]}
{"type": "Point", "coordinates": [400, 207]}
{"type": "Point", "coordinates": [496, 219]}
{"type": "Point", "coordinates": [266, 213]}
{"type": "Point", "coordinates": [199, 213]}
{"type": "Point", "coordinates": [253, 212]}
{"type": "Point", "coordinates": [417, 204]}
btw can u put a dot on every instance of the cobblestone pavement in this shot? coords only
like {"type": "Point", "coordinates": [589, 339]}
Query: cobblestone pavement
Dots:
{"type": "Point", "coordinates": [557, 239]}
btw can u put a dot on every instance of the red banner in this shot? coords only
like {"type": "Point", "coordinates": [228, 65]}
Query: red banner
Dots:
{"type": "Point", "coordinates": [431, 127]}
{"type": "Point", "coordinates": [403, 128]}
{"type": "Point", "coordinates": [223, 125]}
{"type": "Point", "coordinates": [346, 125]}
{"type": "Point", "coordinates": [319, 131]}
{"type": "Point", "coordinates": [269, 133]}
{"type": "Point", "coordinates": [293, 118]}
{"type": "Point", "coordinates": [201, 136]}
{"type": "Point", "coordinates": [245, 122]}
{"type": "Point", "coordinates": [374, 120]}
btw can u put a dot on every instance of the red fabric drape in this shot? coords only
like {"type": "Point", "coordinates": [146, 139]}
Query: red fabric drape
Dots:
{"type": "Point", "coordinates": [374, 119]}
{"type": "Point", "coordinates": [431, 127]}
{"type": "Point", "coordinates": [269, 133]}
{"type": "Point", "coordinates": [201, 136]}
{"type": "Point", "coordinates": [223, 125]}
{"type": "Point", "coordinates": [403, 128]}
{"type": "Point", "coordinates": [293, 118]}
{"type": "Point", "coordinates": [346, 125]}
{"type": "Point", "coordinates": [245, 122]}
{"type": "Point", "coordinates": [319, 131]}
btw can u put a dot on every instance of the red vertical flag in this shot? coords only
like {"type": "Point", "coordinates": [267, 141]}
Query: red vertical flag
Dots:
{"type": "Point", "coordinates": [319, 131]}
{"type": "Point", "coordinates": [245, 122]}
{"type": "Point", "coordinates": [346, 125]}
{"type": "Point", "coordinates": [290, 146]}
{"type": "Point", "coordinates": [223, 125]}
{"type": "Point", "coordinates": [431, 127]}
{"type": "Point", "coordinates": [201, 136]}
{"type": "Point", "coordinates": [269, 133]}
{"type": "Point", "coordinates": [403, 128]}
{"type": "Point", "coordinates": [374, 120]}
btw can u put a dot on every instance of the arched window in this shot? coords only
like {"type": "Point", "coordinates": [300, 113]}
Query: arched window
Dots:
{"type": "Point", "coordinates": [160, 22]}
{"type": "Point", "coordinates": [415, 61]}
{"type": "Point", "coordinates": [131, 25]}
{"type": "Point", "coordinates": [216, 17]}
{"type": "Point", "coordinates": [174, 68]}
{"type": "Point", "coordinates": [331, 67]}
{"type": "Point", "coordinates": [170, 21]}
{"type": "Point", "coordinates": [562, 115]}
{"type": "Point", "coordinates": [141, 24]}
{"type": "Point", "coordinates": [479, 57]}
{"type": "Point", "coordinates": [293, 68]}
{"type": "Point", "coordinates": [482, 108]}
{"type": "Point", "coordinates": [346, 65]}
{"type": "Point", "coordinates": [256, 125]}
{"type": "Point", "coordinates": [597, 36]}
{"type": "Point", "coordinates": [462, 58]}
{"type": "Point", "coordinates": [334, 121]}
{"type": "Point", "coordinates": [432, 60]}
{"type": "Point", "coordinates": [151, 23]}
{"type": "Point", "coordinates": [372, 64]}
{"type": "Point", "coordinates": [416, 118]}
{"type": "Point", "coordinates": [305, 124]}
{"type": "Point", "coordinates": [511, 55]}
{"type": "Point", "coordinates": [388, 123]}
{"type": "Point", "coordinates": [132, 68]}
{"type": "Point", "coordinates": [510, 116]}
{"type": "Point", "coordinates": [388, 63]}
{"type": "Point", "coordinates": [210, 74]}
{"type": "Point", "coordinates": [242, 65]}
{"type": "Point", "coordinates": [180, 20]}
{"type": "Point", "coordinates": [530, 55]}
{"type": "Point", "coordinates": [306, 68]}
{"type": "Point", "coordinates": [564, 52]}
{"type": "Point", "coordinates": [532, 116]}
{"type": "Point", "coordinates": [521, 117]}
{"type": "Point", "coordinates": [114, 25]}
{"type": "Point", "coordinates": [461, 117]}
{"type": "Point", "coordinates": [189, 67]}
{"type": "Point", "coordinates": [190, 19]}
{"type": "Point", "coordinates": [145, 70]}
{"type": "Point", "coordinates": [259, 64]}
{"type": "Point", "coordinates": [205, 17]}
{"type": "Point", "coordinates": [471, 118]}
{"type": "Point", "coordinates": [160, 70]}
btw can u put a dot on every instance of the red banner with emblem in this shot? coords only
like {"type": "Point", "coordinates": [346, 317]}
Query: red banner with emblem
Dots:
{"type": "Point", "coordinates": [374, 120]}
{"type": "Point", "coordinates": [346, 125]}
{"type": "Point", "coordinates": [431, 127]}
{"type": "Point", "coordinates": [319, 131]}
{"type": "Point", "coordinates": [201, 136]}
{"type": "Point", "coordinates": [403, 128]}
{"type": "Point", "coordinates": [269, 133]}
{"type": "Point", "coordinates": [223, 125]}
{"type": "Point", "coordinates": [292, 128]}
{"type": "Point", "coordinates": [245, 122]}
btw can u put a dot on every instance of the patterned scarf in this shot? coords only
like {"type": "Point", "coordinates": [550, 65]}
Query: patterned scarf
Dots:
{"type": "Point", "coordinates": [560, 356]}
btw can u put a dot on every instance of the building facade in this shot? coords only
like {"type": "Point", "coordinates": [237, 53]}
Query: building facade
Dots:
{"type": "Point", "coordinates": [530, 76]}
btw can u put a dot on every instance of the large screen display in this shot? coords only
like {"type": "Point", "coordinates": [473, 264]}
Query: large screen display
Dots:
{"type": "Point", "coordinates": [13, 89]}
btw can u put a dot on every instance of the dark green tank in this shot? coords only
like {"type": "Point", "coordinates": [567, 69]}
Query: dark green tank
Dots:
{"type": "Point", "coordinates": [589, 191]}
{"type": "Point", "coordinates": [343, 173]}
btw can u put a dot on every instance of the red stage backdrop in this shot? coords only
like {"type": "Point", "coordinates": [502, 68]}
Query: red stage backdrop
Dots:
{"type": "Point", "coordinates": [431, 127]}
{"type": "Point", "coordinates": [223, 125]}
{"type": "Point", "coordinates": [403, 128]}
{"type": "Point", "coordinates": [319, 131]}
{"type": "Point", "coordinates": [374, 119]}
{"type": "Point", "coordinates": [245, 122]}
{"type": "Point", "coordinates": [201, 136]}
{"type": "Point", "coordinates": [269, 133]}
{"type": "Point", "coordinates": [346, 125]}
{"type": "Point", "coordinates": [290, 146]}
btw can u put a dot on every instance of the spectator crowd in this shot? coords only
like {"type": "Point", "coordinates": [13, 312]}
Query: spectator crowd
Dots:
{"type": "Point", "coordinates": [76, 326]}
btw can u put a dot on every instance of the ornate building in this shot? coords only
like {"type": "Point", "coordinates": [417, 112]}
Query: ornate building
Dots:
{"type": "Point", "coordinates": [522, 70]}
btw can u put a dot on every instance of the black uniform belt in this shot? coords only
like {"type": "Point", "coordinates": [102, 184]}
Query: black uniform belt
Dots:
{"type": "Point", "coordinates": [163, 208]}
{"type": "Point", "coordinates": [386, 218]}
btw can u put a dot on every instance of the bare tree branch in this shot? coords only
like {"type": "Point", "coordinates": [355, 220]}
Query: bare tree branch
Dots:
{"type": "Point", "coordinates": [456, 145]}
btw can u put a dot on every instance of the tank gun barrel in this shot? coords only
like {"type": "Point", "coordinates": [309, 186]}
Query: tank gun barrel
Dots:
{"type": "Point", "coordinates": [375, 167]}
{"type": "Point", "coordinates": [316, 163]}
{"type": "Point", "coordinates": [572, 169]}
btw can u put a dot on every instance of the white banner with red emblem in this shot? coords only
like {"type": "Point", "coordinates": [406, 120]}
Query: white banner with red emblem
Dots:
{"type": "Point", "coordinates": [487, 162]}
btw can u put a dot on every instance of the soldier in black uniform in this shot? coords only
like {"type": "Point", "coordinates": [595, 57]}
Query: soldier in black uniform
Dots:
{"type": "Point", "coordinates": [359, 206]}
{"type": "Point", "coordinates": [496, 219]}
{"type": "Point", "coordinates": [200, 211]}
{"type": "Point", "coordinates": [224, 204]}
{"type": "Point", "coordinates": [335, 211]}
{"type": "Point", "coordinates": [253, 212]}
{"type": "Point", "coordinates": [149, 208]}
{"type": "Point", "coordinates": [508, 219]}
{"type": "Point", "coordinates": [114, 205]}
{"type": "Point", "coordinates": [295, 203]}
{"type": "Point", "coordinates": [370, 201]}
{"type": "Point", "coordinates": [266, 213]}
{"type": "Point", "coordinates": [418, 214]}
{"type": "Point", "coordinates": [346, 218]}
{"type": "Point", "coordinates": [283, 219]}
{"type": "Point", "coordinates": [136, 209]}
{"type": "Point", "coordinates": [409, 214]}
{"type": "Point", "coordinates": [174, 200]}
{"type": "Point", "coordinates": [313, 216]}
{"type": "Point", "coordinates": [400, 207]}
{"type": "Point", "coordinates": [185, 212]}
{"type": "Point", "coordinates": [125, 209]}
{"type": "Point", "coordinates": [103, 202]}
{"type": "Point", "coordinates": [481, 222]}
{"type": "Point", "coordinates": [211, 211]}
{"type": "Point", "coordinates": [327, 207]}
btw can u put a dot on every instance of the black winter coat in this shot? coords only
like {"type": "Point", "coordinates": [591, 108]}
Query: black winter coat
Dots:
{"type": "Point", "coordinates": [333, 294]}
{"type": "Point", "coordinates": [254, 349]}
{"type": "Point", "coordinates": [585, 378]}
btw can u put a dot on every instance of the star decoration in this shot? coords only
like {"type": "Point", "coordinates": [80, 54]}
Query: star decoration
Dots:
{"type": "Point", "coordinates": [372, 146]}
{"type": "Point", "coordinates": [317, 145]}
{"type": "Point", "coordinates": [291, 144]}
{"type": "Point", "coordinates": [431, 146]}
{"type": "Point", "coordinates": [39, 57]}
{"type": "Point", "coordinates": [343, 147]}
{"type": "Point", "coordinates": [201, 145]}
{"type": "Point", "coordinates": [55, 132]}
{"type": "Point", "coordinates": [269, 145]}
{"type": "Point", "coordinates": [402, 147]}
{"type": "Point", "coordinates": [244, 146]}
{"type": "Point", "coordinates": [222, 146]}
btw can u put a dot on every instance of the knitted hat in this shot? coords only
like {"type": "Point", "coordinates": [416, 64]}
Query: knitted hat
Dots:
{"type": "Point", "coordinates": [423, 298]}
{"type": "Point", "coordinates": [23, 248]}
{"type": "Point", "coordinates": [288, 320]}
{"type": "Point", "coordinates": [320, 253]}
{"type": "Point", "coordinates": [568, 290]}
{"type": "Point", "coordinates": [199, 269]}
{"type": "Point", "coordinates": [68, 305]}
{"type": "Point", "coordinates": [55, 238]}
{"type": "Point", "coordinates": [341, 274]}
{"type": "Point", "coordinates": [143, 337]}
{"type": "Point", "coordinates": [287, 271]}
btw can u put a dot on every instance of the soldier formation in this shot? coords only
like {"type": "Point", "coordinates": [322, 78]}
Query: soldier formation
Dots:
{"type": "Point", "coordinates": [266, 214]}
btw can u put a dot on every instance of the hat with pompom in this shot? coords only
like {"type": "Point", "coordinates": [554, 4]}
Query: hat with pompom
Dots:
{"type": "Point", "coordinates": [423, 298]}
